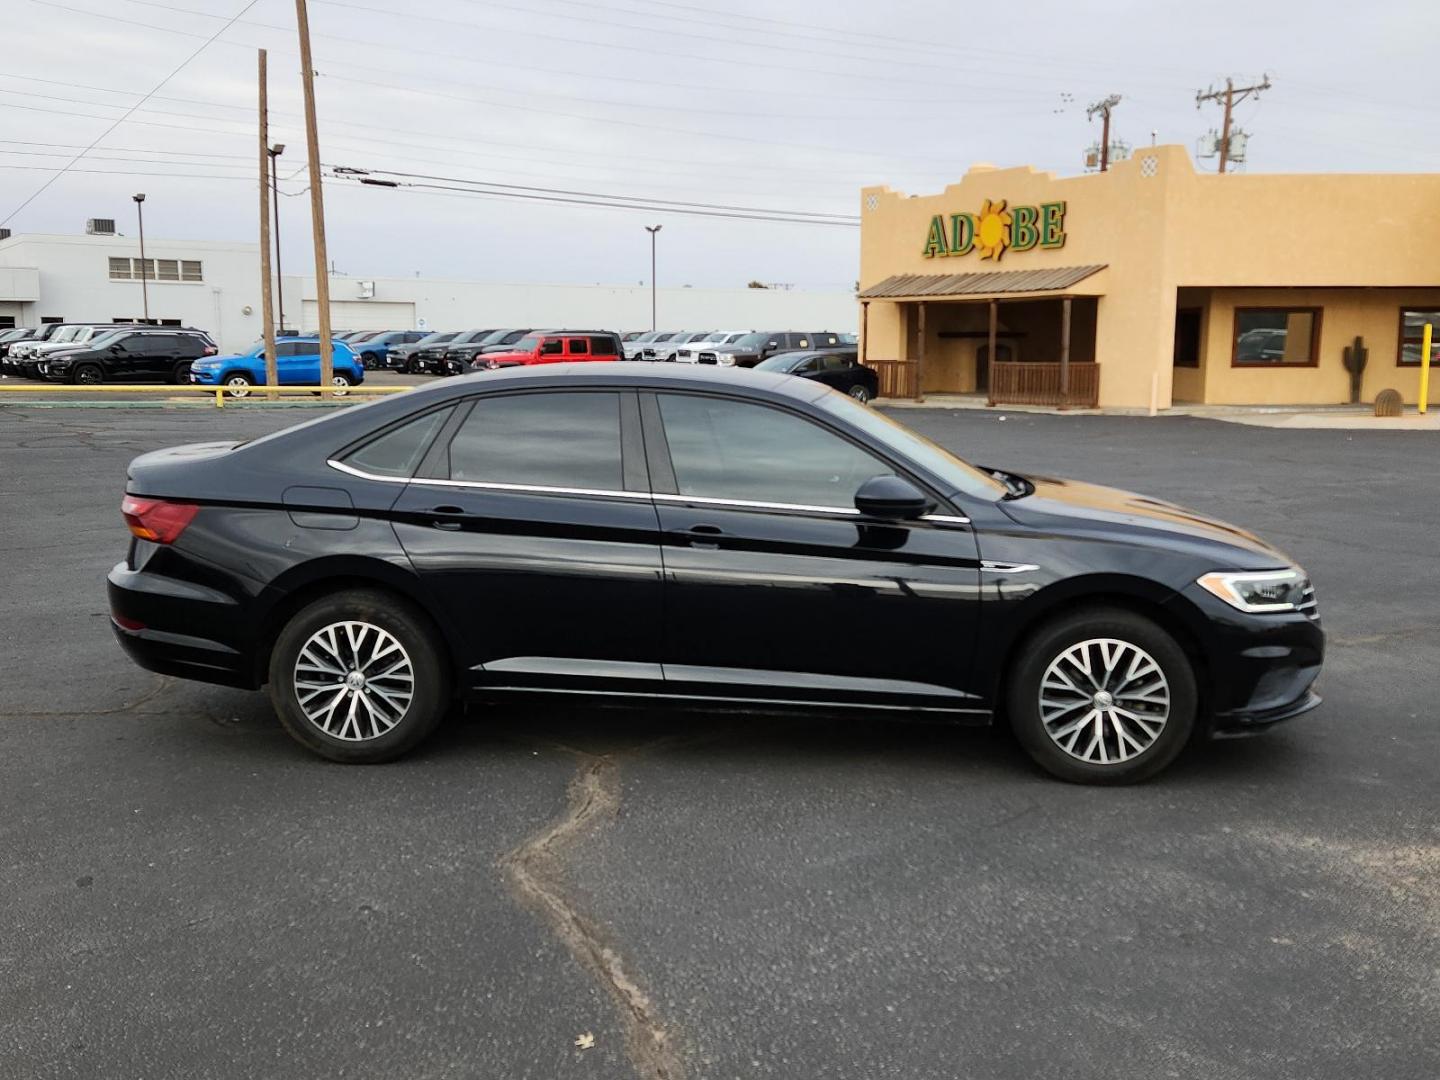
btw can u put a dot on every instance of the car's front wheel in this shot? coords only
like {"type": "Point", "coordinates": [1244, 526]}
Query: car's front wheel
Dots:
{"type": "Point", "coordinates": [87, 375]}
{"type": "Point", "coordinates": [1102, 696]}
{"type": "Point", "coordinates": [358, 677]}
{"type": "Point", "coordinates": [237, 385]}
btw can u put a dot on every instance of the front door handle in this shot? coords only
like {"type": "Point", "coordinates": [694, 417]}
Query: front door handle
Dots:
{"type": "Point", "coordinates": [447, 511]}
{"type": "Point", "coordinates": [701, 536]}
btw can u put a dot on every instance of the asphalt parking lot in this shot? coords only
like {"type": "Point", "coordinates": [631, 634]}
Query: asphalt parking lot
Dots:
{"type": "Point", "coordinates": [186, 893]}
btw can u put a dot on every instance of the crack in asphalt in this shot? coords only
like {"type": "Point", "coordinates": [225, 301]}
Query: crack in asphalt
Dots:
{"type": "Point", "coordinates": [533, 870]}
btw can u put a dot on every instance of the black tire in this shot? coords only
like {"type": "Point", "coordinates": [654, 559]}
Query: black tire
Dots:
{"type": "Point", "coordinates": [421, 648]}
{"type": "Point", "coordinates": [88, 375]}
{"type": "Point", "coordinates": [181, 375]}
{"type": "Point", "coordinates": [861, 394]}
{"type": "Point", "coordinates": [237, 384]}
{"type": "Point", "coordinates": [369, 361]}
{"type": "Point", "coordinates": [1047, 645]}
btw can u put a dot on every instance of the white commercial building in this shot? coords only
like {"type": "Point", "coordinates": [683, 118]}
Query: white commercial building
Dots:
{"type": "Point", "coordinates": [215, 286]}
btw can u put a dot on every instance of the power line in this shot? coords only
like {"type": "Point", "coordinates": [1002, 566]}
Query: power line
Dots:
{"type": "Point", "coordinates": [230, 22]}
{"type": "Point", "coordinates": [845, 219]}
{"type": "Point", "coordinates": [1232, 95]}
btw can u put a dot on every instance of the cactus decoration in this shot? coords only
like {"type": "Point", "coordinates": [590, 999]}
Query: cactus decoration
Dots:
{"type": "Point", "coordinates": [1356, 357]}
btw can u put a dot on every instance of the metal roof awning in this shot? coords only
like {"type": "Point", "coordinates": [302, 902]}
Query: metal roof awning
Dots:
{"type": "Point", "coordinates": [986, 283]}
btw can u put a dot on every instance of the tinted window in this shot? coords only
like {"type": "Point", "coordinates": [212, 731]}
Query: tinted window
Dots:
{"type": "Point", "coordinates": [140, 345]}
{"type": "Point", "coordinates": [604, 346]}
{"type": "Point", "coordinates": [578, 346]}
{"type": "Point", "coordinates": [398, 451]}
{"type": "Point", "coordinates": [735, 450]}
{"type": "Point", "coordinates": [833, 362]}
{"type": "Point", "coordinates": [551, 348]}
{"type": "Point", "coordinates": [567, 440]}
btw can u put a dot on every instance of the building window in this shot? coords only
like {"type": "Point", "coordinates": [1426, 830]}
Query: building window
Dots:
{"type": "Point", "coordinates": [1412, 334]}
{"type": "Point", "coordinates": [50, 318]}
{"type": "Point", "coordinates": [1276, 337]}
{"type": "Point", "coordinates": [190, 270]}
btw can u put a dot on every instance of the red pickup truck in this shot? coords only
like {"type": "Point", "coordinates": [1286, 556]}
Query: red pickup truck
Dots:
{"type": "Point", "coordinates": [555, 347]}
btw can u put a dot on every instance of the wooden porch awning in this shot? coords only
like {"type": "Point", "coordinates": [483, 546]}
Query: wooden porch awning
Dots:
{"type": "Point", "coordinates": [989, 283]}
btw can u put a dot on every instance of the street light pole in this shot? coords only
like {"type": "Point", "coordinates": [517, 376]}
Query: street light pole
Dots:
{"type": "Point", "coordinates": [144, 265]}
{"type": "Point", "coordinates": [652, 230]}
{"type": "Point", "coordinates": [275, 152]}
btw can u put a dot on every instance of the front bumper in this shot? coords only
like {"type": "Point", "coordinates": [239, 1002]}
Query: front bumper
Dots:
{"type": "Point", "coordinates": [1259, 668]}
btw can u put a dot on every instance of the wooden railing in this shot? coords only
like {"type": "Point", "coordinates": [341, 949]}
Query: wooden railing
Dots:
{"type": "Point", "coordinates": [897, 377]}
{"type": "Point", "coordinates": [1039, 384]}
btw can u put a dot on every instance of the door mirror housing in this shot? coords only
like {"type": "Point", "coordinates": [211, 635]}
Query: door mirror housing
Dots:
{"type": "Point", "coordinates": [891, 497]}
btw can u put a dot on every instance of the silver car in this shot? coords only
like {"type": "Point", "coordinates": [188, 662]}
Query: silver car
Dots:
{"type": "Point", "coordinates": [670, 349]}
{"type": "Point", "coordinates": [690, 352]}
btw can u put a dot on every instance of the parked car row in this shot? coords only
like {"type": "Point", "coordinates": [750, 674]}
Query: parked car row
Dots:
{"type": "Point", "coordinates": [93, 353]}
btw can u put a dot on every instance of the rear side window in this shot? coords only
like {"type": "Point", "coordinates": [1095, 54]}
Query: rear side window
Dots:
{"type": "Point", "coordinates": [604, 346]}
{"type": "Point", "coordinates": [578, 346]}
{"type": "Point", "coordinates": [555, 440]}
{"type": "Point", "coordinates": [399, 450]}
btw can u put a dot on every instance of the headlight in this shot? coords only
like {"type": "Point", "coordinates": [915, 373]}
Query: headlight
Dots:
{"type": "Point", "coordinates": [1258, 591]}
{"type": "Point", "coordinates": [725, 359]}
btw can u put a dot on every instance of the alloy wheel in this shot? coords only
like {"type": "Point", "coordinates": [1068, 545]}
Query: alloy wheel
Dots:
{"type": "Point", "coordinates": [341, 384]}
{"type": "Point", "coordinates": [1104, 701]}
{"type": "Point", "coordinates": [860, 394]}
{"type": "Point", "coordinates": [237, 387]}
{"type": "Point", "coordinates": [88, 376]}
{"type": "Point", "coordinates": [354, 681]}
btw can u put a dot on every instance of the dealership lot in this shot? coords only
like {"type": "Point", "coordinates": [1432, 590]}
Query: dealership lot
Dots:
{"type": "Point", "coordinates": [191, 895]}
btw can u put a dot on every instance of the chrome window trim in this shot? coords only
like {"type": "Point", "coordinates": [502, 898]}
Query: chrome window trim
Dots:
{"type": "Point", "coordinates": [537, 489]}
{"type": "Point", "coordinates": [486, 485]}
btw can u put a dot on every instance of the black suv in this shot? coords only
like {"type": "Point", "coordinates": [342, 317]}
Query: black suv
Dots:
{"type": "Point", "coordinates": [430, 359]}
{"type": "Point", "coordinates": [131, 356]}
{"type": "Point", "coordinates": [752, 348]}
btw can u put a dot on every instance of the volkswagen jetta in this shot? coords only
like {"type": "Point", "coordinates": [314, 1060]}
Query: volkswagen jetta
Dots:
{"type": "Point", "coordinates": [662, 532]}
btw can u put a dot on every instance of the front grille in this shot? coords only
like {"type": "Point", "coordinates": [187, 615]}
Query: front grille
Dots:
{"type": "Point", "coordinates": [707, 358]}
{"type": "Point", "coordinates": [1307, 604]}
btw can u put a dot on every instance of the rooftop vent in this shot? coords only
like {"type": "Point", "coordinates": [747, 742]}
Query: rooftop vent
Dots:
{"type": "Point", "coordinates": [100, 226]}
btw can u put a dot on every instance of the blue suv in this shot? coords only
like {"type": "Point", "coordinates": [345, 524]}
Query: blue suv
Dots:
{"type": "Point", "coordinates": [297, 361]}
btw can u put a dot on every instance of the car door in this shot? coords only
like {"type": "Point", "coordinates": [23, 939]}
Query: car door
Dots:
{"type": "Point", "coordinates": [777, 586]}
{"type": "Point", "coordinates": [131, 358]}
{"type": "Point", "coordinates": [541, 548]}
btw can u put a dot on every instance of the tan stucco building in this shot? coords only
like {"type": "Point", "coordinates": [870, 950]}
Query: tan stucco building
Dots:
{"type": "Point", "coordinates": [1152, 283]}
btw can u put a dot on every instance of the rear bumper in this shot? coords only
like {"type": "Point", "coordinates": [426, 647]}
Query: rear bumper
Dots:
{"type": "Point", "coordinates": [151, 614]}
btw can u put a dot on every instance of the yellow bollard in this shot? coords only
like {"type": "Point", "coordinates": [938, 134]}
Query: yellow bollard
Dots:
{"type": "Point", "coordinates": [1425, 370]}
{"type": "Point", "coordinates": [219, 399]}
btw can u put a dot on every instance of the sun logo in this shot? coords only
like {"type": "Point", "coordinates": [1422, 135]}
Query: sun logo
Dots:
{"type": "Point", "coordinates": [992, 230]}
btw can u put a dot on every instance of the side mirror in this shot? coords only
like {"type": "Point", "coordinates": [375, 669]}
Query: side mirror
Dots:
{"type": "Point", "coordinates": [117, 348]}
{"type": "Point", "coordinates": [891, 497]}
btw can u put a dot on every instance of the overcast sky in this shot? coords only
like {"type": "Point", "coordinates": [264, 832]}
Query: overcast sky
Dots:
{"type": "Point", "coordinates": [784, 104]}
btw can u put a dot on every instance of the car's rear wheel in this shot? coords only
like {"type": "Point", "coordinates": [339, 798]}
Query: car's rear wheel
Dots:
{"type": "Point", "coordinates": [181, 375]}
{"type": "Point", "coordinates": [341, 383]}
{"type": "Point", "coordinates": [358, 677]}
{"type": "Point", "coordinates": [1102, 696]}
{"type": "Point", "coordinates": [237, 385]}
{"type": "Point", "coordinates": [860, 394]}
{"type": "Point", "coordinates": [88, 375]}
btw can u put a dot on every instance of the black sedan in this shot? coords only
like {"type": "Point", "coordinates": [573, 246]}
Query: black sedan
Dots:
{"type": "Point", "coordinates": [839, 369]}
{"type": "Point", "coordinates": [665, 532]}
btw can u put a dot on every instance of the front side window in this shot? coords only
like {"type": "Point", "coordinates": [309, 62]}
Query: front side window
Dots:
{"type": "Point", "coordinates": [1276, 336]}
{"type": "Point", "coordinates": [399, 450]}
{"type": "Point", "coordinates": [527, 344]}
{"type": "Point", "coordinates": [552, 440]}
{"type": "Point", "coordinates": [723, 449]}
{"type": "Point", "coordinates": [551, 348]}
{"type": "Point", "coordinates": [1412, 334]}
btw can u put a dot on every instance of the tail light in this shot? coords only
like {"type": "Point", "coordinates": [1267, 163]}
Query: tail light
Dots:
{"type": "Point", "coordinates": [211, 350]}
{"type": "Point", "coordinates": [156, 519]}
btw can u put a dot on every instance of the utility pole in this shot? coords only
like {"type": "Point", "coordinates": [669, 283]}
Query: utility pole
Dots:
{"type": "Point", "coordinates": [317, 199]}
{"type": "Point", "coordinates": [144, 264]}
{"type": "Point", "coordinates": [652, 230]}
{"type": "Point", "coordinates": [1232, 95]}
{"type": "Point", "coordinates": [1104, 108]}
{"type": "Point", "coordinates": [275, 152]}
{"type": "Point", "coordinates": [267, 313]}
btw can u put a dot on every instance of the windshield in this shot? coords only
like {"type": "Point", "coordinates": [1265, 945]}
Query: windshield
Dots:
{"type": "Point", "coordinates": [435, 339]}
{"type": "Point", "coordinates": [961, 475]}
{"type": "Point", "coordinates": [11, 335]}
{"type": "Point", "coordinates": [493, 337]}
{"type": "Point", "coordinates": [67, 334]}
{"type": "Point", "coordinates": [750, 341]}
{"type": "Point", "coordinates": [527, 344]}
{"type": "Point", "coordinates": [781, 362]}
